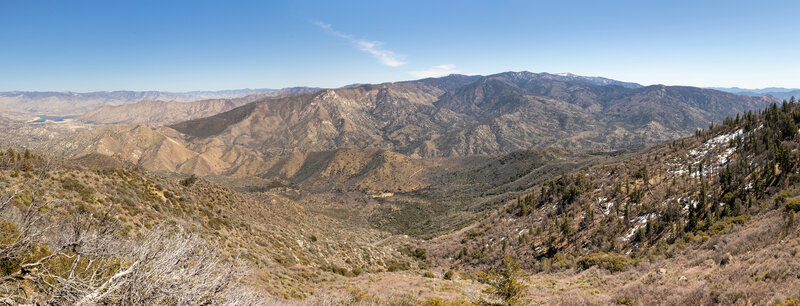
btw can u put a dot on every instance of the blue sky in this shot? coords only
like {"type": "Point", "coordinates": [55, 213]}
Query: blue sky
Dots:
{"type": "Point", "coordinates": [211, 45]}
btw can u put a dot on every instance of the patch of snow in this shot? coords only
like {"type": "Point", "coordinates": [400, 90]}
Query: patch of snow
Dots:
{"type": "Point", "coordinates": [687, 202]}
{"type": "Point", "coordinates": [678, 172]}
{"type": "Point", "coordinates": [607, 207]}
{"type": "Point", "coordinates": [725, 138]}
{"type": "Point", "coordinates": [644, 218]}
{"type": "Point", "coordinates": [630, 234]}
{"type": "Point", "coordinates": [639, 222]}
{"type": "Point", "coordinates": [699, 154]}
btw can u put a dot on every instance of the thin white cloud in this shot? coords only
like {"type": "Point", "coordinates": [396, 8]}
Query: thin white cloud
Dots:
{"type": "Point", "coordinates": [386, 57]}
{"type": "Point", "coordinates": [436, 71]}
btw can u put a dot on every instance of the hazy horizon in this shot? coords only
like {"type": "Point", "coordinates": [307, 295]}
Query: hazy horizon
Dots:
{"type": "Point", "coordinates": [727, 88]}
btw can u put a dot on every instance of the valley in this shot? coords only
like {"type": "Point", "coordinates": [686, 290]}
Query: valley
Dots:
{"type": "Point", "coordinates": [440, 191]}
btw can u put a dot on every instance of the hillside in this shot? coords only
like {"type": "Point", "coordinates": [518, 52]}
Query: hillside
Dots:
{"type": "Point", "coordinates": [371, 171]}
{"type": "Point", "coordinates": [157, 149]}
{"type": "Point", "coordinates": [277, 247]}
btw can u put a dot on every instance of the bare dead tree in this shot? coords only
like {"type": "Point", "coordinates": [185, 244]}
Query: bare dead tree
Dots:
{"type": "Point", "coordinates": [23, 228]}
{"type": "Point", "coordinates": [78, 259]}
{"type": "Point", "coordinates": [165, 268]}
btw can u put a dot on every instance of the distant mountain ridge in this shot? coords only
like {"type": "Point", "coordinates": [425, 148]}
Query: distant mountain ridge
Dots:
{"type": "Point", "coordinates": [74, 103]}
{"type": "Point", "coordinates": [754, 91]}
{"type": "Point", "coordinates": [778, 92]}
{"type": "Point", "coordinates": [163, 112]}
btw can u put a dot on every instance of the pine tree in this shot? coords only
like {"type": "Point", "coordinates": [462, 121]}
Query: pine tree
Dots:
{"type": "Point", "coordinates": [507, 285]}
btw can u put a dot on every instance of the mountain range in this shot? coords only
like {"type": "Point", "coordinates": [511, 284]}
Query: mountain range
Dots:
{"type": "Point", "coordinates": [778, 92]}
{"type": "Point", "coordinates": [151, 112]}
{"type": "Point", "coordinates": [467, 115]}
{"type": "Point", "coordinates": [32, 103]}
{"type": "Point", "coordinates": [453, 116]}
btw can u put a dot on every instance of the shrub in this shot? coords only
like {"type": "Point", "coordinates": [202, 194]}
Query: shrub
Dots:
{"type": "Point", "coordinates": [641, 173]}
{"type": "Point", "coordinates": [479, 276]}
{"type": "Point", "coordinates": [339, 270]}
{"type": "Point", "coordinates": [560, 262]}
{"type": "Point", "coordinates": [720, 226]}
{"type": "Point", "coordinates": [440, 302]}
{"type": "Point", "coordinates": [793, 205]}
{"type": "Point", "coordinates": [544, 265]}
{"type": "Point", "coordinates": [421, 253]}
{"type": "Point", "coordinates": [86, 193]}
{"type": "Point", "coordinates": [418, 253]}
{"type": "Point", "coordinates": [394, 266]}
{"type": "Point", "coordinates": [624, 300]}
{"type": "Point", "coordinates": [449, 275]}
{"type": "Point", "coordinates": [790, 302]}
{"type": "Point", "coordinates": [610, 262]}
{"type": "Point", "coordinates": [471, 234]}
{"type": "Point", "coordinates": [782, 197]}
{"type": "Point", "coordinates": [428, 274]}
{"type": "Point", "coordinates": [189, 180]}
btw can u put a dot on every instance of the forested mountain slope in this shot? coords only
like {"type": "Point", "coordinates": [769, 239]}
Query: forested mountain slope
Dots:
{"type": "Point", "coordinates": [701, 220]}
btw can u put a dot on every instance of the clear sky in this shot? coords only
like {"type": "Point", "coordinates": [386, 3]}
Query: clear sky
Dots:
{"type": "Point", "coordinates": [211, 45]}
